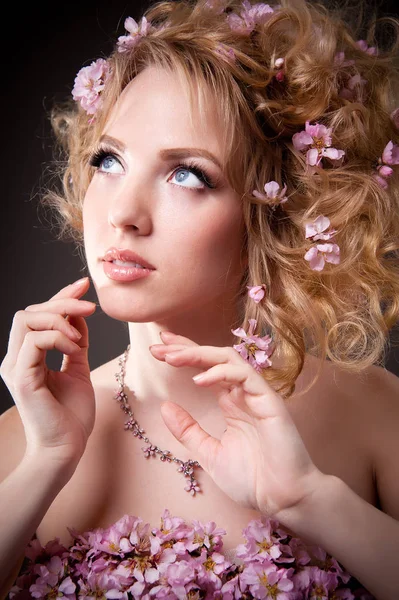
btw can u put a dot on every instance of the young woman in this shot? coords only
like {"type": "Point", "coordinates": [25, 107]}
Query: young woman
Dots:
{"type": "Point", "coordinates": [231, 176]}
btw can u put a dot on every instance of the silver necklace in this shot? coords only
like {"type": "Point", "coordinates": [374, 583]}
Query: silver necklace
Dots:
{"type": "Point", "coordinates": [185, 467]}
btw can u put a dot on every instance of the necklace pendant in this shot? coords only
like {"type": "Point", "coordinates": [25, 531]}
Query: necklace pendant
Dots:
{"type": "Point", "coordinates": [192, 487]}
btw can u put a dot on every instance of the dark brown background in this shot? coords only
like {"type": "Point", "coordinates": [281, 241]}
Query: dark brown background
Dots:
{"type": "Point", "coordinates": [44, 46]}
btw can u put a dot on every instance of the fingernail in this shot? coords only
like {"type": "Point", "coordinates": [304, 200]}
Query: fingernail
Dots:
{"type": "Point", "coordinates": [76, 334]}
{"type": "Point", "coordinates": [80, 281]}
{"type": "Point", "coordinates": [165, 334]}
{"type": "Point", "coordinates": [199, 376]}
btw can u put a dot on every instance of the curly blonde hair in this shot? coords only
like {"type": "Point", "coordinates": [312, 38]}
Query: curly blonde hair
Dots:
{"type": "Point", "coordinates": [344, 312]}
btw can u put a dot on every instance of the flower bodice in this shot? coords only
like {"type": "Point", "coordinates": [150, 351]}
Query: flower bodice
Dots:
{"type": "Point", "coordinates": [181, 559]}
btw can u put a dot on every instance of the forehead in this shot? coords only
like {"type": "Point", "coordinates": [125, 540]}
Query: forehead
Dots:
{"type": "Point", "coordinates": [155, 108]}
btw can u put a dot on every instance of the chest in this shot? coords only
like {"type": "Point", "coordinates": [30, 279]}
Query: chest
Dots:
{"type": "Point", "coordinates": [114, 478]}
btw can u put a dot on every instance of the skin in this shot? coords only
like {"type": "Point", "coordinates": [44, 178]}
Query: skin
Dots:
{"type": "Point", "coordinates": [192, 236]}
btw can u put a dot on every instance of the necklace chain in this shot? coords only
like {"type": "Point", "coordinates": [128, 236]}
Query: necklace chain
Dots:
{"type": "Point", "coordinates": [185, 467]}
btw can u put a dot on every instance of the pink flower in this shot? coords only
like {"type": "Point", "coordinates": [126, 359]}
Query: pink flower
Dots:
{"type": "Point", "coordinates": [249, 17]}
{"type": "Point", "coordinates": [256, 292]}
{"type": "Point", "coordinates": [210, 566]}
{"type": "Point", "coordinates": [261, 541]}
{"type": "Point", "coordinates": [316, 140]}
{"type": "Point", "coordinates": [315, 229]}
{"type": "Point", "coordinates": [265, 580]}
{"type": "Point", "coordinates": [362, 44]}
{"type": "Point", "coordinates": [320, 254]}
{"type": "Point", "coordinates": [273, 192]}
{"type": "Point", "coordinates": [136, 30]}
{"type": "Point", "coordinates": [225, 52]}
{"type": "Point", "coordinates": [89, 83]}
{"type": "Point", "coordinates": [255, 349]}
{"type": "Point", "coordinates": [279, 65]}
{"type": "Point", "coordinates": [390, 156]}
{"type": "Point", "coordinates": [51, 580]}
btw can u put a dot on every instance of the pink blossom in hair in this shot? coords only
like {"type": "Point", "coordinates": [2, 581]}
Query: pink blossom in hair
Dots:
{"type": "Point", "coordinates": [320, 254]}
{"type": "Point", "coordinates": [255, 349]}
{"type": "Point", "coordinates": [256, 292]}
{"type": "Point", "coordinates": [89, 83]}
{"type": "Point", "coordinates": [317, 229]}
{"type": "Point", "coordinates": [316, 140]}
{"type": "Point", "coordinates": [273, 192]}
{"type": "Point", "coordinates": [362, 44]}
{"type": "Point", "coordinates": [250, 16]}
{"type": "Point", "coordinates": [136, 30]}
{"type": "Point", "coordinates": [390, 156]}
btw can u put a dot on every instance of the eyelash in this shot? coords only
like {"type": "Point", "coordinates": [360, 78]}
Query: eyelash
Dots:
{"type": "Point", "coordinates": [99, 155]}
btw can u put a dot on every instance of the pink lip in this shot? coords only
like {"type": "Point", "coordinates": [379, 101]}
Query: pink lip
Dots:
{"type": "Point", "coordinates": [127, 255]}
{"type": "Point", "coordinates": [121, 273]}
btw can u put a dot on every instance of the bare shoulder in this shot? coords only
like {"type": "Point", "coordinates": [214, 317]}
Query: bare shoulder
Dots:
{"type": "Point", "coordinates": [383, 415]}
{"type": "Point", "coordinates": [374, 399]}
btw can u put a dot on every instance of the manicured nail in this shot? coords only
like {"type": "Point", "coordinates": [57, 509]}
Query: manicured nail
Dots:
{"type": "Point", "coordinates": [165, 334]}
{"type": "Point", "coordinates": [199, 376]}
{"type": "Point", "coordinates": [80, 281]}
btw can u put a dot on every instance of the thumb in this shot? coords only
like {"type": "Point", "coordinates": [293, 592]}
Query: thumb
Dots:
{"type": "Point", "coordinates": [203, 447]}
{"type": "Point", "coordinates": [78, 362]}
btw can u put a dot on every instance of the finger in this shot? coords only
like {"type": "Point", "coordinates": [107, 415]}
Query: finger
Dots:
{"type": "Point", "coordinates": [33, 352]}
{"type": "Point", "coordinates": [169, 337]}
{"type": "Point", "coordinates": [202, 446]}
{"type": "Point", "coordinates": [204, 356]}
{"type": "Point", "coordinates": [74, 290]}
{"type": "Point", "coordinates": [260, 398]}
{"type": "Point", "coordinates": [23, 323]}
{"type": "Point", "coordinates": [64, 306]}
{"type": "Point", "coordinates": [159, 350]}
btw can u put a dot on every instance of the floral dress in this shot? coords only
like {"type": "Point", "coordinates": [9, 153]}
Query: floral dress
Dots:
{"type": "Point", "coordinates": [182, 560]}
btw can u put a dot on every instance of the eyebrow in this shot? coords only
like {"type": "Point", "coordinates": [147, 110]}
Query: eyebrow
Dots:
{"type": "Point", "coordinates": [166, 153]}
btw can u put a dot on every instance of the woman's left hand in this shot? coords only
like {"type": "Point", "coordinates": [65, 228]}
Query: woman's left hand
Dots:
{"type": "Point", "coordinates": [261, 461]}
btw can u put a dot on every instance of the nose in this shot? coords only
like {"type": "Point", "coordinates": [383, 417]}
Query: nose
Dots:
{"type": "Point", "coordinates": [129, 208]}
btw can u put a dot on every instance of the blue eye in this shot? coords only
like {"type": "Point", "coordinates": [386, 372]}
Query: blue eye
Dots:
{"type": "Point", "coordinates": [193, 170]}
{"type": "Point", "coordinates": [104, 159]}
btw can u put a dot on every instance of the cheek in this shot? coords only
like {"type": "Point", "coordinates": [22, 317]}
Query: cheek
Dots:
{"type": "Point", "coordinates": [212, 241]}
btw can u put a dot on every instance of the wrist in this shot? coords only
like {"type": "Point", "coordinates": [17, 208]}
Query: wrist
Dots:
{"type": "Point", "coordinates": [46, 463]}
{"type": "Point", "coordinates": [321, 486]}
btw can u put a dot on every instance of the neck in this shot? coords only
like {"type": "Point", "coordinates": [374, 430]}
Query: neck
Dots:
{"type": "Point", "coordinates": [154, 381]}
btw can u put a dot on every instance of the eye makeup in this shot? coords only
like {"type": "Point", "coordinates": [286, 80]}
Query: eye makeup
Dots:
{"type": "Point", "coordinates": [189, 164]}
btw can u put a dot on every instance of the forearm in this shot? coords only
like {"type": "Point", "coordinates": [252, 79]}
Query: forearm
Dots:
{"type": "Point", "coordinates": [362, 538]}
{"type": "Point", "coordinates": [25, 496]}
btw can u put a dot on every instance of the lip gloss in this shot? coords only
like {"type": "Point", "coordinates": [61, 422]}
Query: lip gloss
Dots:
{"type": "Point", "coordinates": [122, 273]}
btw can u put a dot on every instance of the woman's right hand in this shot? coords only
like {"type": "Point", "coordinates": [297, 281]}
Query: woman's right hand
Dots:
{"type": "Point", "coordinates": [57, 408]}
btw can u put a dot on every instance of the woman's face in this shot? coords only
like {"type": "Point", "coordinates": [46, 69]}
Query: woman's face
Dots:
{"type": "Point", "coordinates": [142, 200]}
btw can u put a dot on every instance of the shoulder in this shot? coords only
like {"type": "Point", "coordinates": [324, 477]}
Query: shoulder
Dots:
{"type": "Point", "coordinates": [374, 398]}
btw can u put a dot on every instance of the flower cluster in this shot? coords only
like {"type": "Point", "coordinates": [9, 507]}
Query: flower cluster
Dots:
{"type": "Point", "coordinates": [255, 349]}
{"type": "Point", "coordinates": [316, 141]}
{"type": "Point", "coordinates": [136, 32]}
{"type": "Point", "coordinates": [182, 560]}
{"type": "Point", "coordinates": [250, 16]}
{"type": "Point", "coordinates": [319, 254]}
{"type": "Point", "coordinates": [89, 83]}
{"type": "Point", "coordinates": [390, 157]}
